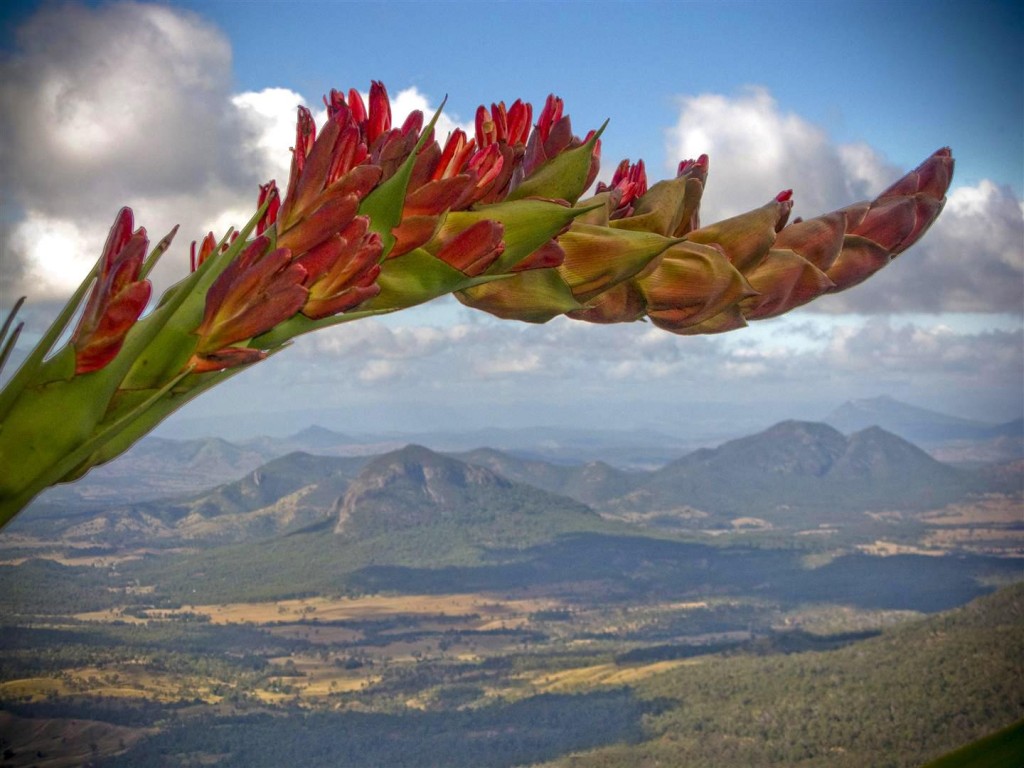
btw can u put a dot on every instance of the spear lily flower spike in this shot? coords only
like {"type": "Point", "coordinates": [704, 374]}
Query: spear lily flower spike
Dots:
{"type": "Point", "coordinates": [375, 218]}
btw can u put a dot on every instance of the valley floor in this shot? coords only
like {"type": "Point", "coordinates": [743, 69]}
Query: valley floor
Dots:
{"type": "Point", "coordinates": [523, 676]}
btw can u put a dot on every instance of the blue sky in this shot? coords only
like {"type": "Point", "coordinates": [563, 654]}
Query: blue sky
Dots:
{"type": "Point", "coordinates": [105, 104]}
{"type": "Point", "coordinates": [906, 74]}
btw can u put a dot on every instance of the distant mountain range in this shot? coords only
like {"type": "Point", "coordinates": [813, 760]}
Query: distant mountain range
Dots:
{"type": "Point", "coordinates": [949, 438]}
{"type": "Point", "coordinates": [792, 475]}
{"type": "Point", "coordinates": [589, 465]}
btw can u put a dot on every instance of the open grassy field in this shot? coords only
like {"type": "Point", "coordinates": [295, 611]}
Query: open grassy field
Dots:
{"type": "Point", "coordinates": [123, 681]}
{"type": "Point", "coordinates": [328, 609]}
{"type": "Point", "coordinates": [594, 675]}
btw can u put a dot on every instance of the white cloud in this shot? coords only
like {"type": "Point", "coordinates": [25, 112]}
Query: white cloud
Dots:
{"type": "Point", "coordinates": [787, 363]}
{"type": "Point", "coordinates": [58, 254]}
{"type": "Point", "coordinates": [89, 106]}
{"type": "Point", "coordinates": [530, 362]}
{"type": "Point", "coordinates": [971, 261]}
{"type": "Point", "coordinates": [91, 119]}
{"type": "Point", "coordinates": [408, 100]}
{"type": "Point", "coordinates": [757, 150]}
{"type": "Point", "coordinates": [270, 116]}
{"type": "Point", "coordinates": [378, 370]}
{"type": "Point", "coordinates": [82, 134]}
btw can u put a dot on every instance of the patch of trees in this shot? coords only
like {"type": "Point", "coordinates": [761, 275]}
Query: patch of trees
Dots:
{"type": "Point", "coordinates": [117, 710]}
{"type": "Point", "coordinates": [497, 736]}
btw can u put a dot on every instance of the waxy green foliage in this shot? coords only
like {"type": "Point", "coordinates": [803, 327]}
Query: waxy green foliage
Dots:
{"type": "Point", "coordinates": [377, 218]}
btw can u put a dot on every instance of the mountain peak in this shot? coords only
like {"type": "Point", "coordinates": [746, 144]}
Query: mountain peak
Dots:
{"type": "Point", "coordinates": [802, 448]}
{"type": "Point", "coordinates": [315, 436]}
{"type": "Point", "coordinates": [799, 465]}
{"type": "Point", "coordinates": [413, 486]}
{"type": "Point", "coordinates": [908, 421]}
{"type": "Point", "coordinates": [874, 455]}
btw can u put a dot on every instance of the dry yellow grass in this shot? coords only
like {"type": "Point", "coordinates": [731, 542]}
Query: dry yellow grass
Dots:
{"type": "Point", "coordinates": [690, 605]}
{"type": "Point", "coordinates": [33, 688]}
{"type": "Point", "coordinates": [994, 541]}
{"type": "Point", "coordinates": [746, 523]}
{"type": "Point", "coordinates": [318, 635]}
{"type": "Point", "coordinates": [121, 682]}
{"type": "Point", "coordinates": [599, 675]}
{"type": "Point", "coordinates": [315, 678]}
{"type": "Point", "coordinates": [100, 561]}
{"type": "Point", "coordinates": [994, 510]}
{"type": "Point", "coordinates": [351, 608]}
{"type": "Point", "coordinates": [881, 548]}
{"type": "Point", "coordinates": [63, 552]}
{"type": "Point", "coordinates": [992, 525]}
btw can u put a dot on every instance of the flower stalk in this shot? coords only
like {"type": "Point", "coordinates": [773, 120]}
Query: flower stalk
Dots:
{"type": "Point", "coordinates": [376, 218]}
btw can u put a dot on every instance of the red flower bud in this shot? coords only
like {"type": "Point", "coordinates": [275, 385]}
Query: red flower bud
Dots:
{"type": "Point", "coordinates": [118, 297]}
{"type": "Point", "coordinates": [268, 195]}
{"type": "Point", "coordinates": [206, 249]}
{"type": "Point", "coordinates": [255, 292]}
{"type": "Point", "coordinates": [474, 249]}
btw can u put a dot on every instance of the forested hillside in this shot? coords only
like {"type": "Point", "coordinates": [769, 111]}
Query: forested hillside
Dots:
{"type": "Point", "coordinates": [910, 695]}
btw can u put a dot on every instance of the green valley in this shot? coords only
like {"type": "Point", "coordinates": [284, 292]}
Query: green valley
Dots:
{"type": "Point", "coordinates": [744, 605]}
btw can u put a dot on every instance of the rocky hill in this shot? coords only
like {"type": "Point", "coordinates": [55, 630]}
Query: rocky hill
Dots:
{"type": "Point", "coordinates": [416, 488]}
{"type": "Point", "coordinates": [797, 472]}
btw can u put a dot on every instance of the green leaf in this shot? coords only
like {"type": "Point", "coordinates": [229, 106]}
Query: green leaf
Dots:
{"type": "Point", "coordinates": [48, 472]}
{"type": "Point", "coordinates": [33, 366]}
{"type": "Point", "coordinates": [745, 238]}
{"type": "Point", "coordinates": [158, 250]}
{"type": "Point", "coordinates": [160, 344]}
{"type": "Point", "coordinates": [416, 277]}
{"type": "Point", "coordinates": [385, 203]}
{"type": "Point", "coordinates": [274, 339]}
{"type": "Point", "coordinates": [8, 341]}
{"type": "Point", "coordinates": [563, 177]}
{"type": "Point", "coordinates": [534, 296]}
{"type": "Point", "coordinates": [596, 258]}
{"type": "Point", "coordinates": [692, 283]}
{"type": "Point", "coordinates": [529, 224]}
{"type": "Point", "coordinates": [47, 422]}
{"type": "Point", "coordinates": [1001, 749]}
{"type": "Point", "coordinates": [660, 210]}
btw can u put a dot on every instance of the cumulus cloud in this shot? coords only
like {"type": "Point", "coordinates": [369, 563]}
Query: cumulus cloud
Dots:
{"type": "Point", "coordinates": [81, 134]}
{"type": "Point", "coordinates": [409, 100]}
{"type": "Point", "coordinates": [269, 116]}
{"type": "Point", "coordinates": [972, 260]}
{"type": "Point", "coordinates": [88, 103]}
{"type": "Point", "coordinates": [756, 150]}
{"type": "Point", "coordinates": [91, 119]}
